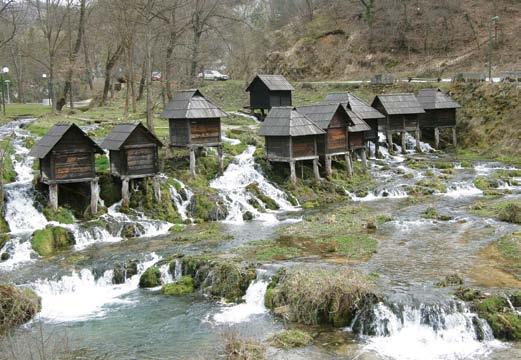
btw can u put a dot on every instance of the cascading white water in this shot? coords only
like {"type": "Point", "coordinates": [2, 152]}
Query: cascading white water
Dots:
{"type": "Point", "coordinates": [181, 202]}
{"type": "Point", "coordinates": [430, 333]}
{"type": "Point", "coordinates": [253, 303]}
{"type": "Point", "coordinates": [462, 189]}
{"type": "Point", "coordinates": [232, 187]}
{"type": "Point", "coordinates": [80, 296]}
{"type": "Point", "coordinates": [230, 140]}
{"type": "Point", "coordinates": [395, 193]}
{"type": "Point", "coordinates": [166, 276]}
{"type": "Point", "coordinates": [178, 269]}
{"type": "Point", "coordinates": [249, 117]}
{"type": "Point", "coordinates": [20, 213]}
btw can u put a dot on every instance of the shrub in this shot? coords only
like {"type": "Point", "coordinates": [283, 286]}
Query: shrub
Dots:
{"type": "Point", "coordinates": [17, 306]}
{"type": "Point", "coordinates": [510, 212]}
{"type": "Point", "coordinates": [291, 339]}
{"type": "Point", "coordinates": [150, 278]}
{"type": "Point", "coordinates": [237, 348]}
{"type": "Point", "coordinates": [184, 286]}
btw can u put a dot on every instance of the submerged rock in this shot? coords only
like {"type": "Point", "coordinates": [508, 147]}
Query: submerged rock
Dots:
{"type": "Point", "coordinates": [5, 256]}
{"type": "Point", "coordinates": [450, 280]}
{"type": "Point", "coordinates": [18, 306]}
{"type": "Point", "coordinates": [511, 212]}
{"type": "Point", "coordinates": [150, 278]}
{"type": "Point", "coordinates": [122, 272]}
{"type": "Point", "coordinates": [502, 318]}
{"type": "Point", "coordinates": [51, 239]}
{"type": "Point", "coordinates": [132, 230]}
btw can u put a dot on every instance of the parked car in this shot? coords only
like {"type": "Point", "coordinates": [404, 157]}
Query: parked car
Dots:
{"type": "Point", "coordinates": [212, 75]}
{"type": "Point", "coordinates": [156, 76]}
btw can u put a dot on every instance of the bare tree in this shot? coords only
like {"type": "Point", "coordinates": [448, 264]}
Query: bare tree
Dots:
{"type": "Point", "coordinates": [8, 21]}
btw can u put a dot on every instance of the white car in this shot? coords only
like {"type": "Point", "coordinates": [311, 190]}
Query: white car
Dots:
{"type": "Point", "coordinates": [212, 75]}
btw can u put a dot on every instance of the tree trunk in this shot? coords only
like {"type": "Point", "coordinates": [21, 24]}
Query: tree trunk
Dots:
{"type": "Point", "coordinates": [142, 81]}
{"type": "Point", "coordinates": [148, 78]}
{"type": "Point", "coordinates": [111, 62]}
{"type": "Point", "coordinates": [88, 68]}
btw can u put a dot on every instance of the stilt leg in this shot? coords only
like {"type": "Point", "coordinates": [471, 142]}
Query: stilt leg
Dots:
{"type": "Point", "coordinates": [404, 144]}
{"type": "Point", "coordinates": [221, 159]}
{"type": "Point", "coordinates": [377, 150]}
{"type": "Point", "coordinates": [454, 137]}
{"type": "Point", "coordinates": [436, 138]}
{"type": "Point", "coordinates": [328, 166]}
{"type": "Point", "coordinates": [293, 174]}
{"type": "Point", "coordinates": [125, 195]}
{"type": "Point", "coordinates": [157, 188]}
{"type": "Point", "coordinates": [389, 137]}
{"type": "Point", "coordinates": [94, 196]}
{"type": "Point", "coordinates": [53, 196]}
{"type": "Point", "coordinates": [417, 136]}
{"type": "Point", "coordinates": [192, 162]}
{"type": "Point", "coordinates": [315, 170]}
{"type": "Point", "coordinates": [349, 165]}
{"type": "Point", "coordinates": [364, 158]}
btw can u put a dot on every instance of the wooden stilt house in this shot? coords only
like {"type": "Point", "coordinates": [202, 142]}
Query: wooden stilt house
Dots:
{"type": "Point", "coordinates": [194, 122]}
{"type": "Point", "coordinates": [440, 112]}
{"type": "Point", "coordinates": [134, 154]}
{"type": "Point", "coordinates": [366, 113]}
{"type": "Point", "coordinates": [357, 137]}
{"type": "Point", "coordinates": [289, 137]}
{"type": "Point", "coordinates": [267, 91]}
{"type": "Point", "coordinates": [67, 155]}
{"type": "Point", "coordinates": [402, 114]}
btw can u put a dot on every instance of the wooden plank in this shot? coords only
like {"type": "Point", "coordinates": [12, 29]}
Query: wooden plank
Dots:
{"type": "Point", "coordinates": [336, 139]}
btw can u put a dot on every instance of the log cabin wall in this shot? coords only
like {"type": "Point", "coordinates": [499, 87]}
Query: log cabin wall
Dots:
{"type": "Point", "coordinates": [280, 98]}
{"type": "Point", "coordinates": [278, 147]}
{"type": "Point", "coordinates": [356, 140]}
{"type": "Point", "coordinates": [373, 133]}
{"type": "Point", "coordinates": [205, 131]}
{"type": "Point", "coordinates": [179, 132]}
{"type": "Point", "coordinates": [303, 146]}
{"type": "Point", "coordinates": [117, 163]}
{"type": "Point", "coordinates": [141, 159]}
{"type": "Point", "coordinates": [72, 157]}
{"type": "Point", "coordinates": [259, 96]}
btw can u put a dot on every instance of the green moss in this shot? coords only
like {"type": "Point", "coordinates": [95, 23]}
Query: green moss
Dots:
{"type": "Point", "coordinates": [110, 190]}
{"type": "Point", "coordinates": [4, 227]}
{"type": "Point", "coordinates": [102, 164]}
{"type": "Point", "coordinates": [484, 183]}
{"type": "Point", "coordinates": [18, 306]}
{"type": "Point", "coordinates": [288, 339]}
{"type": "Point", "coordinates": [450, 280]}
{"type": "Point", "coordinates": [51, 239]}
{"type": "Point", "coordinates": [510, 212]}
{"type": "Point", "coordinates": [144, 201]}
{"type": "Point", "coordinates": [8, 172]}
{"type": "Point", "coordinates": [185, 285]}
{"type": "Point", "coordinates": [269, 202]}
{"type": "Point", "coordinates": [352, 246]}
{"type": "Point", "coordinates": [432, 213]}
{"type": "Point", "coordinates": [431, 186]}
{"type": "Point", "coordinates": [505, 323]}
{"type": "Point", "coordinates": [62, 215]}
{"type": "Point", "coordinates": [228, 280]}
{"type": "Point", "coordinates": [269, 251]}
{"type": "Point", "coordinates": [150, 278]}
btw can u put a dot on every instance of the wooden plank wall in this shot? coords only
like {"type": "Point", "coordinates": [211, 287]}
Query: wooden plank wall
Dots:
{"type": "Point", "coordinates": [179, 132]}
{"type": "Point", "coordinates": [303, 146]}
{"type": "Point", "coordinates": [205, 131]}
{"type": "Point", "coordinates": [141, 160]}
{"type": "Point", "coordinates": [73, 165]}
{"type": "Point", "coordinates": [277, 146]}
{"type": "Point", "coordinates": [336, 140]}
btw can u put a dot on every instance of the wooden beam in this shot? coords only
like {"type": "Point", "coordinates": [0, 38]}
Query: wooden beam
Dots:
{"type": "Point", "coordinates": [192, 161]}
{"type": "Point", "coordinates": [315, 170]}
{"type": "Point", "coordinates": [53, 196]}
{"type": "Point", "coordinates": [404, 147]}
{"type": "Point", "coordinates": [349, 165]}
{"type": "Point", "coordinates": [156, 184]}
{"type": "Point", "coordinates": [220, 154]}
{"type": "Point", "coordinates": [292, 172]}
{"type": "Point", "coordinates": [125, 194]}
{"type": "Point", "coordinates": [454, 137]}
{"type": "Point", "coordinates": [94, 196]}
{"type": "Point", "coordinates": [328, 166]}
{"type": "Point", "coordinates": [417, 136]}
{"type": "Point", "coordinates": [436, 138]}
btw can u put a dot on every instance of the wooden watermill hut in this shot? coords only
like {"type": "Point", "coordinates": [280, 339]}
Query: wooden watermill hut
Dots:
{"type": "Point", "coordinates": [402, 114]}
{"type": "Point", "coordinates": [67, 155]}
{"type": "Point", "coordinates": [194, 122]}
{"type": "Point", "coordinates": [366, 113]}
{"type": "Point", "coordinates": [268, 91]}
{"type": "Point", "coordinates": [134, 154]}
{"type": "Point", "coordinates": [289, 137]}
{"type": "Point", "coordinates": [440, 113]}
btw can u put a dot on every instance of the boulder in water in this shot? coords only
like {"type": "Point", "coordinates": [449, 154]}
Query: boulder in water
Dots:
{"type": "Point", "coordinates": [254, 189]}
{"type": "Point", "coordinates": [502, 318]}
{"type": "Point", "coordinates": [150, 278]}
{"type": "Point", "coordinates": [184, 286]}
{"type": "Point", "coordinates": [122, 272]}
{"type": "Point", "coordinates": [51, 239]}
{"type": "Point", "coordinates": [510, 212]}
{"type": "Point", "coordinates": [293, 338]}
{"type": "Point", "coordinates": [247, 216]}
{"type": "Point", "coordinates": [18, 306]}
{"type": "Point", "coordinates": [5, 256]}
{"type": "Point", "coordinates": [450, 280]}
{"type": "Point", "coordinates": [132, 230]}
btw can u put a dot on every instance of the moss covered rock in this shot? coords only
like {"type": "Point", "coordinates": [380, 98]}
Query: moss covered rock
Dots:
{"type": "Point", "coordinates": [125, 271]}
{"type": "Point", "coordinates": [51, 239]}
{"type": "Point", "coordinates": [288, 339]}
{"type": "Point", "coordinates": [150, 278]}
{"type": "Point", "coordinates": [18, 306]}
{"type": "Point", "coordinates": [185, 285]}
{"type": "Point", "coordinates": [62, 215]}
{"type": "Point", "coordinates": [144, 201]}
{"type": "Point", "coordinates": [253, 188]}
{"type": "Point", "coordinates": [504, 321]}
{"type": "Point", "coordinates": [450, 280]}
{"type": "Point", "coordinates": [132, 230]}
{"type": "Point", "coordinates": [510, 212]}
{"type": "Point", "coordinates": [208, 207]}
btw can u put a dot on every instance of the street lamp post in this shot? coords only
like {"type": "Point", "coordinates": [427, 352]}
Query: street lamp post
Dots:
{"type": "Point", "coordinates": [4, 71]}
{"type": "Point", "coordinates": [44, 76]}
{"type": "Point", "coordinates": [7, 82]}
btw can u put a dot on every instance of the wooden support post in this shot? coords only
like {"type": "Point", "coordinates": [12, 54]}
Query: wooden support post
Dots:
{"type": "Point", "coordinates": [454, 137]}
{"type": "Point", "coordinates": [192, 162]}
{"type": "Point", "coordinates": [404, 144]}
{"type": "Point", "coordinates": [125, 194]}
{"type": "Point", "coordinates": [220, 154]}
{"type": "Point", "coordinates": [53, 196]}
{"type": "Point", "coordinates": [364, 158]}
{"type": "Point", "coordinates": [389, 136]}
{"type": "Point", "coordinates": [417, 136]}
{"type": "Point", "coordinates": [315, 170]}
{"type": "Point", "coordinates": [292, 174]}
{"type": "Point", "coordinates": [349, 165]}
{"type": "Point", "coordinates": [94, 196]}
{"type": "Point", "coordinates": [328, 166]}
{"type": "Point", "coordinates": [377, 150]}
{"type": "Point", "coordinates": [156, 184]}
{"type": "Point", "coordinates": [436, 138]}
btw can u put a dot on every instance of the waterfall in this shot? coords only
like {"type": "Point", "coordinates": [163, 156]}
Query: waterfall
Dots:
{"type": "Point", "coordinates": [229, 140]}
{"type": "Point", "coordinates": [394, 193]}
{"type": "Point", "coordinates": [81, 296]}
{"type": "Point", "coordinates": [253, 303]}
{"type": "Point", "coordinates": [166, 276]}
{"type": "Point", "coordinates": [178, 269]}
{"type": "Point", "coordinates": [182, 199]}
{"type": "Point", "coordinates": [462, 189]}
{"type": "Point", "coordinates": [241, 114]}
{"type": "Point", "coordinates": [449, 331]}
{"type": "Point", "coordinates": [232, 187]}
{"type": "Point", "coordinates": [20, 213]}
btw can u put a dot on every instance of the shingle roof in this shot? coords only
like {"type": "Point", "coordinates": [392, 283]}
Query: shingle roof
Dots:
{"type": "Point", "coordinates": [287, 121]}
{"type": "Point", "coordinates": [53, 136]}
{"type": "Point", "coordinates": [354, 103]}
{"type": "Point", "coordinates": [273, 82]}
{"type": "Point", "coordinates": [432, 99]}
{"type": "Point", "coordinates": [321, 114]}
{"type": "Point", "coordinates": [121, 132]}
{"type": "Point", "coordinates": [358, 123]}
{"type": "Point", "coordinates": [400, 104]}
{"type": "Point", "coordinates": [191, 104]}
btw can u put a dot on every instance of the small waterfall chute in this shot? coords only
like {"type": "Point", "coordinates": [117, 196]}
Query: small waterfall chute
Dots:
{"type": "Point", "coordinates": [232, 186]}
{"type": "Point", "coordinates": [182, 199]}
{"type": "Point", "coordinates": [462, 189]}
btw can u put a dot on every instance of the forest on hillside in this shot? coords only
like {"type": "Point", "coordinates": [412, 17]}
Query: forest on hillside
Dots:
{"type": "Point", "coordinates": [85, 46]}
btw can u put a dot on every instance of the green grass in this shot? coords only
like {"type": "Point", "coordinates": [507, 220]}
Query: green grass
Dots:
{"type": "Point", "coordinates": [24, 110]}
{"type": "Point", "coordinates": [288, 339]}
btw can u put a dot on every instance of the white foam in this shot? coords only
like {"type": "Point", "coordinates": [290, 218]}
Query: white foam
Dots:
{"type": "Point", "coordinates": [181, 204]}
{"type": "Point", "coordinates": [462, 189]}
